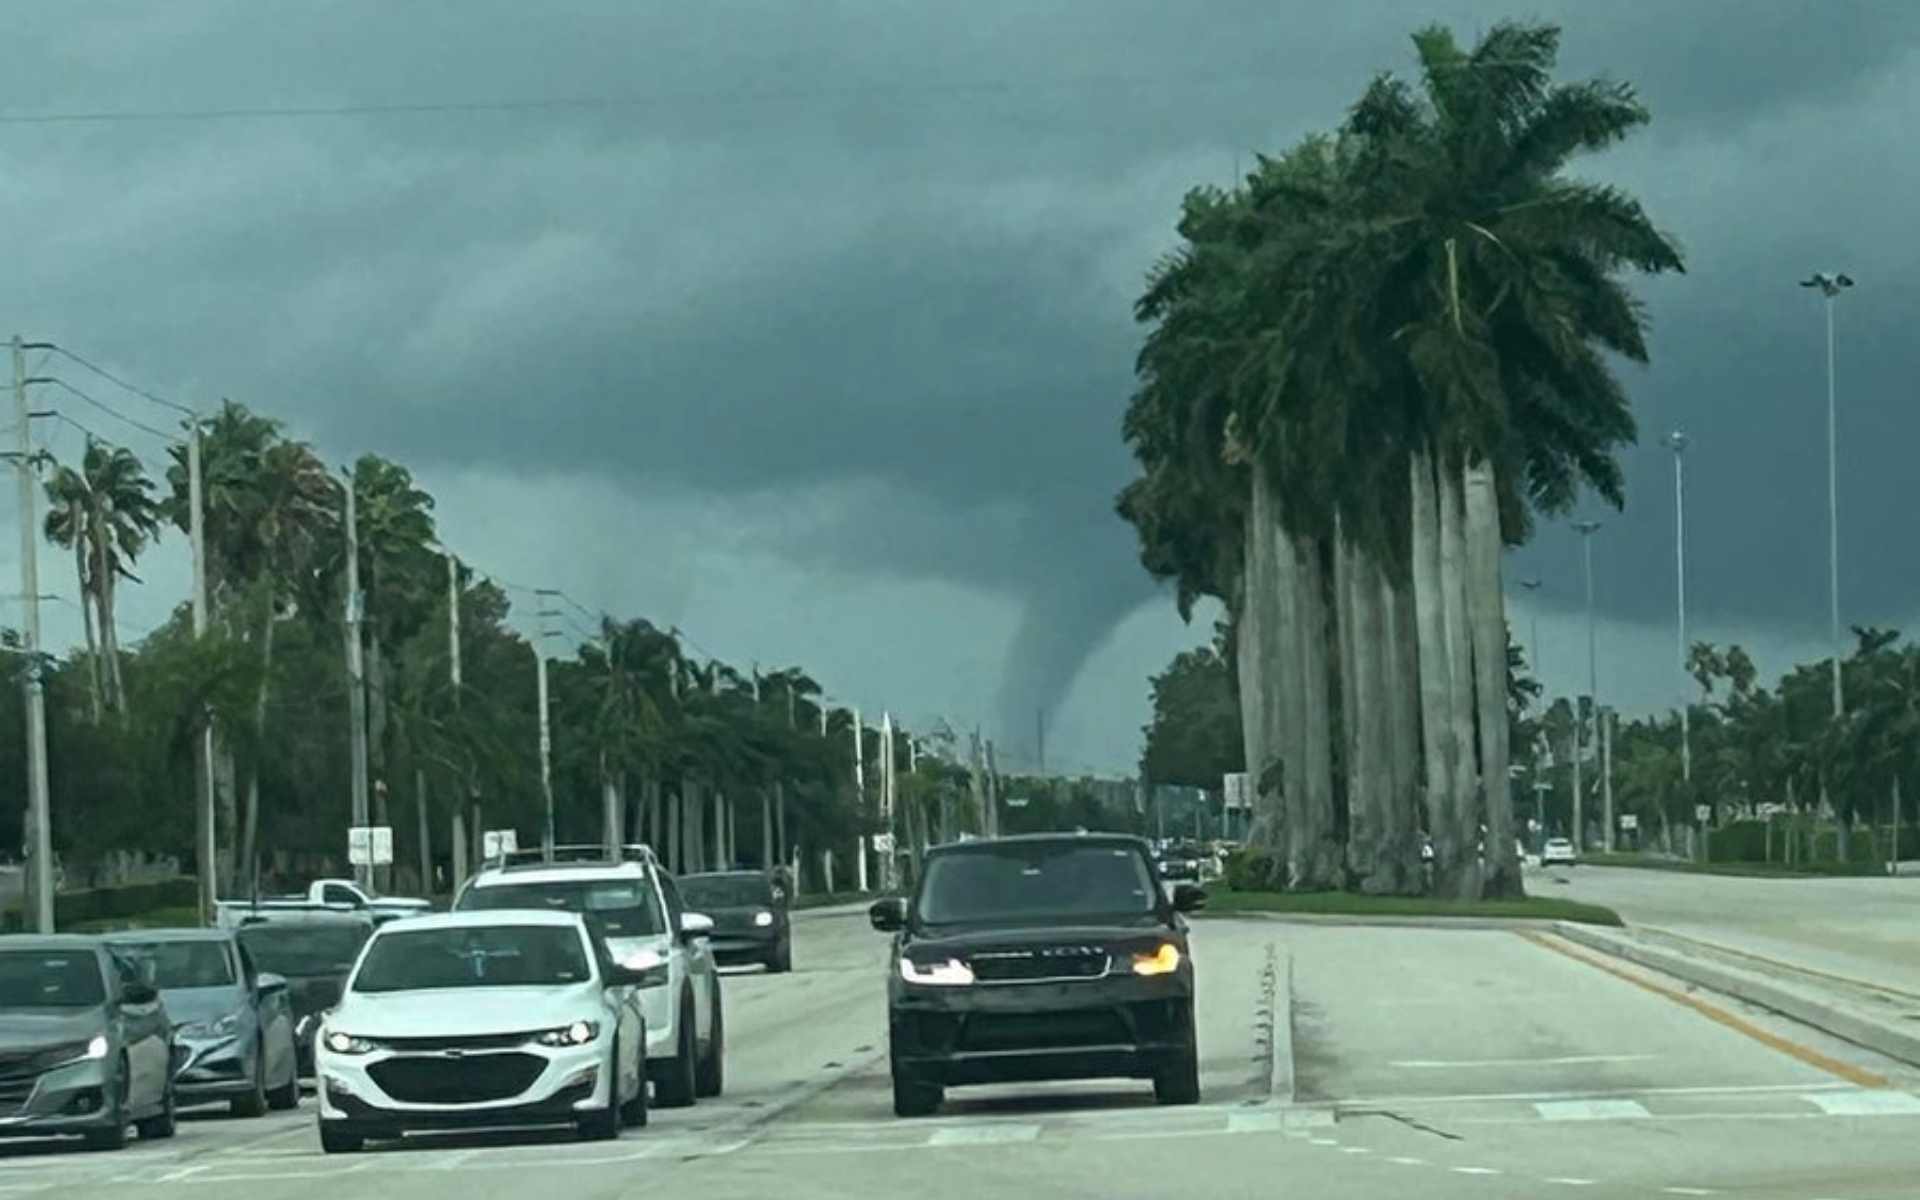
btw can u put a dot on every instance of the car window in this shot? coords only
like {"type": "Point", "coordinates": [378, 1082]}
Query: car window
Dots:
{"type": "Point", "coordinates": [676, 906]}
{"type": "Point", "coordinates": [299, 950]}
{"type": "Point", "coordinates": [334, 893]}
{"type": "Point", "coordinates": [616, 907]}
{"type": "Point", "coordinates": [726, 891]}
{"type": "Point", "coordinates": [474, 956]}
{"type": "Point", "coordinates": [167, 965]}
{"type": "Point", "coordinates": [50, 979]}
{"type": "Point", "coordinates": [1026, 881]}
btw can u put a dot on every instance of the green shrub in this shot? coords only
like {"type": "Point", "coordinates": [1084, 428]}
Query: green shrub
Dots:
{"type": "Point", "coordinates": [1255, 869]}
{"type": "Point", "coordinates": [99, 904]}
{"type": "Point", "coordinates": [1738, 841]}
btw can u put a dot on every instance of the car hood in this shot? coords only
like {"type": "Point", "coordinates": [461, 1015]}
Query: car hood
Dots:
{"type": "Point", "coordinates": [463, 1012]}
{"type": "Point", "coordinates": [24, 1031]}
{"type": "Point", "coordinates": [1107, 932]}
{"type": "Point", "coordinates": [188, 1005]}
{"type": "Point", "coordinates": [621, 947]}
{"type": "Point", "coordinates": [736, 916]}
{"type": "Point", "coordinates": [314, 993]}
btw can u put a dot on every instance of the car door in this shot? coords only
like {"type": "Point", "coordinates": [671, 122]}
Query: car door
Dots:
{"type": "Point", "coordinates": [275, 1011]}
{"type": "Point", "coordinates": [698, 955]}
{"type": "Point", "coordinates": [146, 1033]}
{"type": "Point", "coordinates": [623, 1009]}
{"type": "Point", "coordinates": [340, 893]}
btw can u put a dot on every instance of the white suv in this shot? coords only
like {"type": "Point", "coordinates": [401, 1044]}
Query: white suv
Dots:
{"type": "Point", "coordinates": [632, 902]}
{"type": "Point", "coordinates": [485, 1019]}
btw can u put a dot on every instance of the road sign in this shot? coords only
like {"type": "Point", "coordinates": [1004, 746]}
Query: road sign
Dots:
{"type": "Point", "coordinates": [883, 843]}
{"type": "Point", "coordinates": [370, 845]}
{"type": "Point", "coordinates": [1629, 821]}
{"type": "Point", "coordinates": [496, 842]}
{"type": "Point", "coordinates": [1703, 813]}
{"type": "Point", "coordinates": [1016, 801]}
{"type": "Point", "coordinates": [1234, 786]}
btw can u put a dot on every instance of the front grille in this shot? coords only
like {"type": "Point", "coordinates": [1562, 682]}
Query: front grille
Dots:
{"type": "Point", "coordinates": [1064, 1029]}
{"type": "Point", "coordinates": [486, 1041]}
{"type": "Point", "coordinates": [476, 1080]}
{"type": "Point", "coordinates": [19, 1071]}
{"type": "Point", "coordinates": [1041, 962]}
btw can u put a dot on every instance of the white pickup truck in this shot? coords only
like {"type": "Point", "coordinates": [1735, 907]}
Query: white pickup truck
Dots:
{"type": "Point", "coordinates": [339, 894]}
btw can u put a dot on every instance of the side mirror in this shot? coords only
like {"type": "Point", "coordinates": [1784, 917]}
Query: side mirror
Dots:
{"type": "Point", "coordinates": [619, 976]}
{"type": "Point", "coordinates": [133, 992]}
{"type": "Point", "coordinates": [267, 983]}
{"type": "Point", "coordinates": [889, 914]}
{"type": "Point", "coordinates": [695, 925]}
{"type": "Point", "coordinates": [1188, 897]}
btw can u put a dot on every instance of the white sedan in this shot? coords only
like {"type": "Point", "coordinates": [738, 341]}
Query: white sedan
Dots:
{"type": "Point", "coordinates": [1557, 850]}
{"type": "Point", "coordinates": [482, 1019]}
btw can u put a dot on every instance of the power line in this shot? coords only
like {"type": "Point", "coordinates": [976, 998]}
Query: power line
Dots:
{"type": "Point", "coordinates": [110, 377]}
{"type": "Point", "coordinates": [113, 412]}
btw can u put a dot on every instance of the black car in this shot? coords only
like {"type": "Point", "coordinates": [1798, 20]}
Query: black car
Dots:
{"type": "Point", "coordinates": [1054, 956]}
{"type": "Point", "coordinates": [749, 916]}
{"type": "Point", "coordinates": [315, 952]}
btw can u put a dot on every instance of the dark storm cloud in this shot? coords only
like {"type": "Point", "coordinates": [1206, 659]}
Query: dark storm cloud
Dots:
{"type": "Point", "coordinates": [894, 245]}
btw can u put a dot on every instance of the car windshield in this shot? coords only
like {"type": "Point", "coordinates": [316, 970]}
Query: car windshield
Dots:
{"type": "Point", "coordinates": [616, 908]}
{"type": "Point", "coordinates": [304, 949]}
{"type": "Point", "coordinates": [1048, 879]}
{"type": "Point", "coordinates": [168, 965]}
{"type": "Point", "coordinates": [50, 979]}
{"type": "Point", "coordinates": [474, 956]}
{"type": "Point", "coordinates": [726, 891]}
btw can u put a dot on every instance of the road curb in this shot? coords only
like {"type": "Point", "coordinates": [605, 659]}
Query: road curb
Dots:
{"type": "Point", "coordinates": [1389, 922]}
{"type": "Point", "coordinates": [1801, 1005]}
{"type": "Point", "coordinates": [1284, 1087]}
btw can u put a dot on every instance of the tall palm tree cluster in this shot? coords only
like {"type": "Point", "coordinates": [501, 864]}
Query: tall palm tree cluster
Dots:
{"type": "Point", "coordinates": [1369, 366]}
{"type": "Point", "coordinates": [714, 765]}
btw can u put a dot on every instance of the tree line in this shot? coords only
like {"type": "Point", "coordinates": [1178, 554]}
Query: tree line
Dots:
{"type": "Point", "coordinates": [1370, 366]}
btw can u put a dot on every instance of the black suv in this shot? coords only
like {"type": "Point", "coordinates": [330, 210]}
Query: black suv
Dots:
{"type": "Point", "coordinates": [1053, 956]}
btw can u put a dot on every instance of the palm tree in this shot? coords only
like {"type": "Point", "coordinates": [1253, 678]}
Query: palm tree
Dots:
{"type": "Point", "coordinates": [66, 525]}
{"type": "Point", "coordinates": [106, 512]}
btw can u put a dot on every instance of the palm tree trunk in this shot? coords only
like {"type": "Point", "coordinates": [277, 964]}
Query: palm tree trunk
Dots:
{"type": "Point", "coordinates": [609, 809]}
{"type": "Point", "coordinates": [109, 640]}
{"type": "Point", "coordinates": [1313, 847]}
{"type": "Point", "coordinates": [768, 857]}
{"type": "Point", "coordinates": [86, 618]}
{"type": "Point", "coordinates": [1435, 677]}
{"type": "Point", "coordinates": [1399, 676]}
{"type": "Point", "coordinates": [1463, 809]}
{"type": "Point", "coordinates": [1254, 628]}
{"type": "Point", "coordinates": [780, 842]}
{"type": "Point", "coordinates": [673, 829]}
{"type": "Point", "coordinates": [250, 816]}
{"type": "Point", "coordinates": [426, 838]}
{"type": "Point", "coordinates": [1363, 818]}
{"type": "Point", "coordinates": [1486, 609]}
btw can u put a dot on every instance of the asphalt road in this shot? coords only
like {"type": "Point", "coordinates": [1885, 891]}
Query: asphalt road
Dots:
{"type": "Point", "coordinates": [1864, 928]}
{"type": "Point", "coordinates": [1443, 1063]}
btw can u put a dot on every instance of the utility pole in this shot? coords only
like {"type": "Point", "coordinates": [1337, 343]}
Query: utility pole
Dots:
{"type": "Point", "coordinates": [205, 840]}
{"type": "Point", "coordinates": [993, 794]}
{"type": "Point", "coordinates": [1532, 588]}
{"type": "Point", "coordinates": [1040, 738]}
{"type": "Point", "coordinates": [1831, 284]}
{"type": "Point", "coordinates": [457, 823]}
{"type": "Point", "coordinates": [860, 789]}
{"type": "Point", "coordinates": [1586, 530]}
{"type": "Point", "coordinates": [1678, 442]}
{"type": "Point", "coordinates": [356, 673]}
{"type": "Point", "coordinates": [887, 795]}
{"type": "Point", "coordinates": [40, 817]}
{"type": "Point", "coordinates": [1606, 772]}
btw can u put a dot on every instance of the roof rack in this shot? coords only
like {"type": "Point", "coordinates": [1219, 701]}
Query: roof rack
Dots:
{"type": "Point", "coordinates": [534, 858]}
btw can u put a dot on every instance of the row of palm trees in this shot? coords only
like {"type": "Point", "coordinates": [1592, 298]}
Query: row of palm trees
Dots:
{"type": "Point", "coordinates": [1369, 365]}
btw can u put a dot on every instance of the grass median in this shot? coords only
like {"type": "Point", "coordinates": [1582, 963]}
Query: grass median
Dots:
{"type": "Point", "coordinates": [1222, 901]}
{"type": "Point", "coordinates": [1818, 870]}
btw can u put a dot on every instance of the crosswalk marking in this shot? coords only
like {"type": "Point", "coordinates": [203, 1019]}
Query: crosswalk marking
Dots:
{"type": "Point", "coordinates": [1253, 1122]}
{"type": "Point", "coordinates": [975, 1135]}
{"type": "Point", "coordinates": [1590, 1110]}
{"type": "Point", "coordinates": [1866, 1103]}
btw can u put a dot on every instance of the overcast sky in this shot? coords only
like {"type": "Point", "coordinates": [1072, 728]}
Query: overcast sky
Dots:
{"type": "Point", "coordinates": [813, 338]}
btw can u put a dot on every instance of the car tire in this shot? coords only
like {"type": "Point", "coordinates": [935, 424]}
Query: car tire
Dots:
{"type": "Point", "coordinates": [674, 1079]}
{"type": "Point", "coordinates": [914, 1097]}
{"type": "Point", "coordinates": [712, 1077]}
{"type": "Point", "coordinates": [781, 960]}
{"type": "Point", "coordinates": [254, 1102]}
{"type": "Point", "coordinates": [1178, 1081]}
{"type": "Point", "coordinates": [162, 1124]}
{"type": "Point", "coordinates": [282, 1098]}
{"type": "Point", "coordinates": [339, 1141]}
{"type": "Point", "coordinates": [634, 1111]}
{"type": "Point", "coordinates": [602, 1126]}
{"type": "Point", "coordinates": [114, 1135]}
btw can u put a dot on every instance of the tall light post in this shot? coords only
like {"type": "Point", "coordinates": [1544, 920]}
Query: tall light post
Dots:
{"type": "Point", "coordinates": [1678, 442]}
{"type": "Point", "coordinates": [1532, 588]}
{"type": "Point", "coordinates": [546, 728]}
{"type": "Point", "coordinates": [1586, 529]}
{"type": "Point", "coordinates": [1831, 284]}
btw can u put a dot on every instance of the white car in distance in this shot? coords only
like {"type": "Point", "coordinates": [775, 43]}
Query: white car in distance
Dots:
{"type": "Point", "coordinates": [483, 1019]}
{"type": "Point", "coordinates": [1557, 851]}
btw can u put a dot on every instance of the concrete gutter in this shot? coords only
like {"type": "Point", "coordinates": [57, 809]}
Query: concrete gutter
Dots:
{"type": "Point", "coordinates": [1394, 921]}
{"type": "Point", "coordinates": [1803, 1003]}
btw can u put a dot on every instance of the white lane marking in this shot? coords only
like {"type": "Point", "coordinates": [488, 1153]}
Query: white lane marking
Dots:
{"type": "Point", "coordinates": [182, 1173]}
{"type": "Point", "coordinates": [1591, 1110]}
{"type": "Point", "coordinates": [983, 1134]}
{"type": "Point", "coordinates": [1474, 1171]}
{"type": "Point", "coordinates": [1570, 1181]}
{"type": "Point", "coordinates": [1569, 1060]}
{"type": "Point", "coordinates": [1253, 1122]}
{"type": "Point", "coordinates": [1866, 1103]}
{"type": "Point", "coordinates": [1688, 1191]}
{"type": "Point", "coordinates": [1355, 1150]}
{"type": "Point", "coordinates": [1405, 1161]}
{"type": "Point", "coordinates": [1323, 1141]}
{"type": "Point", "coordinates": [1616, 1093]}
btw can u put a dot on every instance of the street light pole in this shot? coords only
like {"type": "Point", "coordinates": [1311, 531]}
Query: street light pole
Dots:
{"type": "Point", "coordinates": [1586, 530]}
{"type": "Point", "coordinates": [1831, 284]}
{"type": "Point", "coordinates": [1532, 587]}
{"type": "Point", "coordinates": [356, 675]}
{"type": "Point", "coordinates": [40, 817]}
{"type": "Point", "coordinates": [1678, 441]}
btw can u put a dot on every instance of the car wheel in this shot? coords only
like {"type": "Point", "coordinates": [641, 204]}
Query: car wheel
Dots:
{"type": "Point", "coordinates": [634, 1111]}
{"type": "Point", "coordinates": [675, 1077]}
{"type": "Point", "coordinates": [781, 960]}
{"type": "Point", "coordinates": [339, 1141]}
{"type": "Point", "coordinates": [913, 1097]}
{"type": "Point", "coordinates": [254, 1102]}
{"type": "Point", "coordinates": [161, 1125]}
{"type": "Point", "coordinates": [1178, 1082]}
{"type": "Point", "coordinates": [713, 1064]}
{"type": "Point", "coordinates": [114, 1135]}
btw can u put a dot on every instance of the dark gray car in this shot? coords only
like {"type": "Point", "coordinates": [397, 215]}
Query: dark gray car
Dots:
{"type": "Point", "coordinates": [233, 1024]}
{"type": "Point", "coordinates": [84, 1048]}
{"type": "Point", "coordinates": [315, 952]}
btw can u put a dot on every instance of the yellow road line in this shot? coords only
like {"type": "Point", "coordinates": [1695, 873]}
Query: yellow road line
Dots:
{"type": "Point", "coordinates": [1806, 1054]}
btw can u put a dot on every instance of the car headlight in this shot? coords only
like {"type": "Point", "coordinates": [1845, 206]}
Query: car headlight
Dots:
{"type": "Point", "coordinates": [226, 1026]}
{"type": "Point", "coordinates": [97, 1048]}
{"type": "Point", "coordinates": [1163, 961]}
{"type": "Point", "coordinates": [651, 965]}
{"type": "Point", "coordinates": [951, 973]}
{"type": "Point", "coordinates": [577, 1034]}
{"type": "Point", "coordinates": [763, 918]}
{"type": "Point", "coordinates": [346, 1043]}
